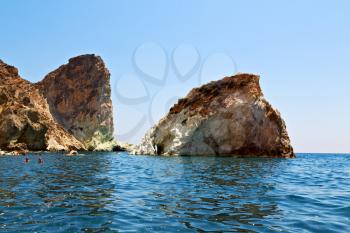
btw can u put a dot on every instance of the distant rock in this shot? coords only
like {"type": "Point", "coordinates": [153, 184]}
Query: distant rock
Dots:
{"type": "Point", "coordinates": [25, 119]}
{"type": "Point", "coordinates": [123, 146]}
{"type": "Point", "coordinates": [227, 117]}
{"type": "Point", "coordinates": [72, 153]}
{"type": "Point", "coordinates": [79, 96]}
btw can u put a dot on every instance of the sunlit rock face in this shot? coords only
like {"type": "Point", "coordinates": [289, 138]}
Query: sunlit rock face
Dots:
{"type": "Point", "coordinates": [228, 117]}
{"type": "Point", "coordinates": [79, 96]}
{"type": "Point", "coordinates": [25, 119]}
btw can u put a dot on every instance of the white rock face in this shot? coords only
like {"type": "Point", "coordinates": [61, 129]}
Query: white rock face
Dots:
{"type": "Point", "coordinates": [228, 117]}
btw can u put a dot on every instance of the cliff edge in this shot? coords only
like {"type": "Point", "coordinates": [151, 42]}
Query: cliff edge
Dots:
{"type": "Point", "coordinates": [79, 97]}
{"type": "Point", "coordinates": [25, 120]}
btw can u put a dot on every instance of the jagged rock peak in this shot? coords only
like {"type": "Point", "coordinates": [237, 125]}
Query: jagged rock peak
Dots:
{"type": "Point", "coordinates": [25, 119]}
{"type": "Point", "coordinates": [85, 57]}
{"type": "Point", "coordinates": [200, 98]}
{"type": "Point", "coordinates": [7, 71]}
{"type": "Point", "coordinates": [79, 96]}
{"type": "Point", "coordinates": [227, 117]}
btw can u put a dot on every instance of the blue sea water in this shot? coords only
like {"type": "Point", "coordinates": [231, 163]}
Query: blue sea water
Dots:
{"type": "Point", "coordinates": [110, 192]}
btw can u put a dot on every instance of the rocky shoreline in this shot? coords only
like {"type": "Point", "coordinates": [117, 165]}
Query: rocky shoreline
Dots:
{"type": "Point", "coordinates": [71, 109]}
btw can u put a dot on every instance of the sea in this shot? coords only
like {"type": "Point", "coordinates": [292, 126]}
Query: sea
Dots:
{"type": "Point", "coordinates": [118, 192]}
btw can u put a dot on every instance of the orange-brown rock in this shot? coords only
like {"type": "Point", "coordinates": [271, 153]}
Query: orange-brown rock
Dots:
{"type": "Point", "coordinates": [79, 96]}
{"type": "Point", "coordinates": [25, 119]}
{"type": "Point", "coordinates": [227, 117]}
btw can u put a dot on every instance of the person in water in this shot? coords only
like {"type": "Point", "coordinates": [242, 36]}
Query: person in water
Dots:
{"type": "Point", "coordinates": [26, 160]}
{"type": "Point", "coordinates": [40, 160]}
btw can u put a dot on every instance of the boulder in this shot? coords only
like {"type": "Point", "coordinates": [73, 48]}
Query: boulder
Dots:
{"type": "Point", "coordinates": [229, 117]}
{"type": "Point", "coordinates": [122, 146]}
{"type": "Point", "coordinates": [72, 153]}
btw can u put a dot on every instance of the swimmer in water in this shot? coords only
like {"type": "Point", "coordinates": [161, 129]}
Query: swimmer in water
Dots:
{"type": "Point", "coordinates": [26, 160]}
{"type": "Point", "coordinates": [40, 160]}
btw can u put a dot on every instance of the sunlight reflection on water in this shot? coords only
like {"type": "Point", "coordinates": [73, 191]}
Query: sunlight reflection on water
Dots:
{"type": "Point", "coordinates": [105, 192]}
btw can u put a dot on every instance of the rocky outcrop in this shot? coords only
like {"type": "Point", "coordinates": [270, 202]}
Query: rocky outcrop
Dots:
{"type": "Point", "coordinates": [227, 117]}
{"type": "Point", "coordinates": [123, 146]}
{"type": "Point", "coordinates": [79, 96]}
{"type": "Point", "coordinates": [25, 119]}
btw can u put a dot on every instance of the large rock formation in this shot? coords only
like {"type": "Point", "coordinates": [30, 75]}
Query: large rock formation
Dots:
{"type": "Point", "coordinates": [225, 117]}
{"type": "Point", "coordinates": [25, 119]}
{"type": "Point", "coordinates": [79, 96]}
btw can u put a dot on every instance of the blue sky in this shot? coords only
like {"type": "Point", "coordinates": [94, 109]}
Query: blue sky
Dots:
{"type": "Point", "coordinates": [300, 48]}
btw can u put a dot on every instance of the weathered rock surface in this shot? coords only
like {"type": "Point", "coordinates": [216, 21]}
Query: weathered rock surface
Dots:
{"type": "Point", "coordinates": [25, 119]}
{"type": "Point", "coordinates": [123, 146]}
{"type": "Point", "coordinates": [226, 117]}
{"type": "Point", "coordinates": [79, 96]}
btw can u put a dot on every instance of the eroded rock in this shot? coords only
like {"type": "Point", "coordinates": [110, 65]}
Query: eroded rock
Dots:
{"type": "Point", "coordinates": [226, 117]}
{"type": "Point", "coordinates": [123, 146]}
{"type": "Point", "coordinates": [25, 119]}
{"type": "Point", "coordinates": [79, 96]}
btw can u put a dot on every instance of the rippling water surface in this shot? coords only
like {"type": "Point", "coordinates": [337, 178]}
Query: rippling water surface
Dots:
{"type": "Point", "coordinates": [108, 192]}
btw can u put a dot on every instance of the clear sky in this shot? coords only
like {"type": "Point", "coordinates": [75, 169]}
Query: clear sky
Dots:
{"type": "Point", "coordinates": [301, 49]}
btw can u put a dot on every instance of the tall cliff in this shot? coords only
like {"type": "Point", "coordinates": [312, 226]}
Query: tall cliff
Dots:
{"type": "Point", "coordinates": [226, 117]}
{"type": "Point", "coordinates": [79, 97]}
{"type": "Point", "coordinates": [25, 119]}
